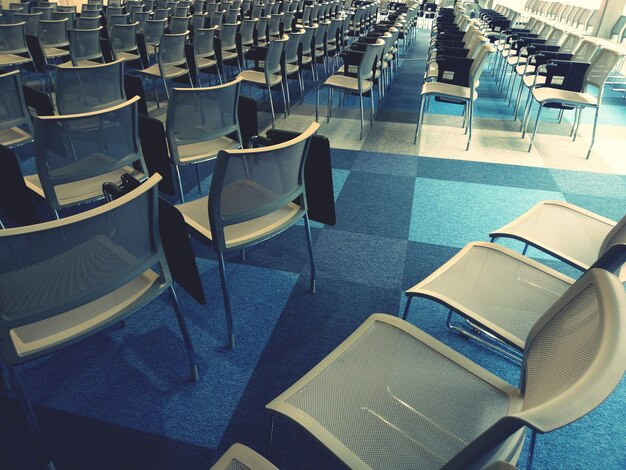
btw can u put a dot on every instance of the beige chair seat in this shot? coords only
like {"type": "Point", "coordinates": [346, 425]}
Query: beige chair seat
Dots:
{"type": "Point", "coordinates": [205, 62]}
{"type": "Point", "coordinates": [127, 56]}
{"type": "Point", "coordinates": [81, 63]}
{"type": "Point", "coordinates": [529, 80]}
{"type": "Point", "coordinates": [170, 71]}
{"type": "Point", "coordinates": [547, 94]}
{"type": "Point", "coordinates": [306, 59]}
{"type": "Point", "coordinates": [291, 68]}
{"type": "Point", "coordinates": [51, 52]}
{"type": "Point", "coordinates": [12, 59]}
{"type": "Point", "coordinates": [88, 189]}
{"type": "Point", "coordinates": [447, 89]}
{"type": "Point", "coordinates": [196, 215]}
{"type": "Point", "coordinates": [524, 69]}
{"type": "Point", "coordinates": [347, 83]}
{"type": "Point", "coordinates": [14, 136]}
{"type": "Point", "coordinates": [229, 55]}
{"type": "Point", "coordinates": [205, 150]}
{"type": "Point", "coordinates": [258, 78]}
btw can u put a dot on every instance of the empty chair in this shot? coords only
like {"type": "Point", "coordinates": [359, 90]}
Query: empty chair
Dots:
{"type": "Point", "coordinates": [171, 60]}
{"type": "Point", "coordinates": [232, 16]}
{"type": "Point", "coordinates": [76, 153]}
{"type": "Point", "coordinates": [255, 194]}
{"type": "Point", "coordinates": [85, 46]}
{"type": "Point", "coordinates": [15, 122]}
{"type": "Point", "coordinates": [274, 25]}
{"type": "Point", "coordinates": [46, 11]}
{"type": "Point", "coordinates": [179, 24]}
{"type": "Point", "coordinates": [31, 21]}
{"type": "Point", "coordinates": [83, 22]}
{"type": "Point", "coordinates": [152, 32]}
{"type": "Point", "coordinates": [292, 66]}
{"type": "Point", "coordinates": [70, 16]}
{"type": "Point", "coordinates": [87, 88]}
{"type": "Point", "coordinates": [13, 49]}
{"type": "Point", "coordinates": [126, 269]}
{"type": "Point", "coordinates": [217, 18]}
{"type": "Point", "coordinates": [590, 96]}
{"type": "Point", "coordinates": [458, 93]}
{"type": "Point", "coordinates": [140, 17]}
{"type": "Point", "coordinates": [113, 20]}
{"type": "Point", "coordinates": [204, 52]}
{"type": "Point", "coordinates": [391, 396]}
{"type": "Point", "coordinates": [361, 84]}
{"type": "Point", "coordinates": [198, 20]}
{"type": "Point", "coordinates": [53, 39]}
{"type": "Point", "coordinates": [161, 14]}
{"type": "Point", "coordinates": [271, 75]}
{"type": "Point", "coordinates": [199, 124]}
{"type": "Point", "coordinates": [228, 44]}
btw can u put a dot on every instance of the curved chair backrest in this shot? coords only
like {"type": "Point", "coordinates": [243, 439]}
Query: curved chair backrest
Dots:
{"type": "Point", "coordinates": [198, 20]}
{"type": "Point", "coordinates": [586, 50]}
{"type": "Point", "coordinates": [232, 15]}
{"type": "Point", "coordinates": [90, 14]}
{"type": "Point", "coordinates": [140, 17]}
{"type": "Point", "coordinates": [217, 18]}
{"type": "Point", "coordinates": [179, 24]}
{"type": "Point", "coordinates": [161, 14]}
{"type": "Point", "coordinates": [153, 31]}
{"type": "Point", "coordinates": [114, 10]}
{"type": "Point", "coordinates": [288, 22]}
{"type": "Point", "coordinates": [211, 8]}
{"type": "Point", "coordinates": [292, 45]}
{"type": "Point", "coordinates": [80, 259]}
{"type": "Point", "coordinates": [124, 37]}
{"type": "Point", "coordinates": [479, 63]}
{"type": "Point", "coordinates": [13, 110]}
{"type": "Point", "coordinates": [78, 147]}
{"type": "Point", "coordinates": [250, 183]}
{"type": "Point", "coordinates": [172, 49]}
{"type": "Point", "coordinates": [368, 62]}
{"type": "Point", "coordinates": [320, 35]}
{"type": "Point", "coordinates": [201, 114]}
{"type": "Point", "coordinates": [198, 5]}
{"type": "Point", "coordinates": [261, 28]}
{"type": "Point", "coordinates": [46, 11]}
{"type": "Point", "coordinates": [228, 35]}
{"type": "Point", "coordinates": [306, 14]}
{"type": "Point", "coordinates": [85, 45]}
{"type": "Point", "coordinates": [247, 31]}
{"type": "Point", "coordinates": [112, 20]}
{"type": "Point", "coordinates": [307, 39]}
{"type": "Point", "coordinates": [203, 39]}
{"type": "Point", "coordinates": [65, 15]}
{"type": "Point", "coordinates": [89, 88]}
{"type": "Point", "coordinates": [272, 59]}
{"type": "Point", "coordinates": [32, 22]}
{"type": "Point", "coordinates": [53, 33]}
{"type": "Point", "coordinates": [181, 10]}
{"type": "Point", "coordinates": [570, 43]}
{"type": "Point", "coordinates": [83, 22]}
{"type": "Point", "coordinates": [602, 65]}
{"type": "Point", "coordinates": [575, 356]}
{"type": "Point", "coordinates": [274, 24]}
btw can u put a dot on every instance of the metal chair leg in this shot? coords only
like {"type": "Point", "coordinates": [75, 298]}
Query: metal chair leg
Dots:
{"type": "Point", "coordinates": [361, 104]}
{"type": "Point", "coordinates": [407, 306]}
{"type": "Point", "coordinates": [532, 139]}
{"type": "Point", "coordinates": [593, 132]}
{"type": "Point", "coordinates": [269, 91]}
{"type": "Point", "coordinates": [191, 354]}
{"type": "Point", "coordinates": [180, 184]}
{"type": "Point", "coordinates": [420, 119]}
{"type": "Point", "coordinates": [227, 307]}
{"type": "Point", "coordinates": [282, 89]}
{"type": "Point", "coordinates": [309, 242]}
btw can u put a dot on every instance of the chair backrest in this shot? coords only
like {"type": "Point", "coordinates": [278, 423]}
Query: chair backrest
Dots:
{"type": "Point", "coordinates": [172, 49]}
{"type": "Point", "coordinates": [178, 24]}
{"type": "Point", "coordinates": [228, 35]}
{"type": "Point", "coordinates": [78, 147]}
{"type": "Point", "coordinates": [46, 12]}
{"type": "Point", "coordinates": [601, 66]}
{"type": "Point", "coordinates": [198, 20]}
{"type": "Point", "coordinates": [78, 260]}
{"type": "Point", "coordinates": [232, 15]}
{"type": "Point", "coordinates": [114, 10]}
{"type": "Point", "coordinates": [320, 35]}
{"type": "Point", "coordinates": [479, 63]}
{"type": "Point", "coordinates": [261, 28]}
{"type": "Point", "coordinates": [161, 14]}
{"type": "Point", "coordinates": [153, 31]}
{"type": "Point", "coordinates": [274, 24]}
{"type": "Point", "coordinates": [181, 10]}
{"type": "Point", "coordinates": [85, 45]}
{"type": "Point", "coordinates": [53, 33]}
{"type": "Point", "coordinates": [368, 62]}
{"type": "Point", "coordinates": [272, 59]}
{"type": "Point", "coordinates": [83, 22]}
{"type": "Point", "coordinates": [140, 17]}
{"type": "Point", "coordinates": [203, 39]}
{"type": "Point", "coordinates": [247, 31]}
{"type": "Point", "coordinates": [250, 183]}
{"type": "Point", "coordinates": [13, 110]}
{"type": "Point", "coordinates": [586, 50]}
{"type": "Point", "coordinates": [217, 18]}
{"type": "Point", "coordinates": [308, 38]}
{"type": "Point", "coordinates": [291, 47]}
{"type": "Point", "coordinates": [211, 8]}
{"type": "Point", "coordinates": [112, 20]}
{"type": "Point", "coordinates": [67, 15]}
{"type": "Point", "coordinates": [201, 114]}
{"type": "Point", "coordinates": [124, 38]}
{"type": "Point", "coordinates": [570, 43]}
{"type": "Point", "coordinates": [89, 88]}
{"type": "Point", "coordinates": [32, 22]}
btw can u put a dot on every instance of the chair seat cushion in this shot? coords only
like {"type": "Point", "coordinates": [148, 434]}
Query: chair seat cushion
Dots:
{"type": "Point", "coordinates": [347, 83]}
{"type": "Point", "coordinates": [12, 59]}
{"type": "Point", "coordinates": [14, 136]}
{"type": "Point", "coordinates": [169, 71]}
{"type": "Point", "coordinates": [205, 150]}
{"type": "Point", "coordinates": [447, 89]}
{"type": "Point", "coordinates": [205, 63]}
{"type": "Point", "coordinates": [547, 94]}
{"type": "Point", "coordinates": [258, 78]}
{"type": "Point", "coordinates": [52, 52]}
{"type": "Point", "coordinates": [127, 56]}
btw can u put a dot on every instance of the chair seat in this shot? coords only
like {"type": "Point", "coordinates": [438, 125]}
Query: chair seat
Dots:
{"type": "Point", "coordinates": [306, 59]}
{"type": "Point", "coordinates": [547, 94]}
{"type": "Point", "coordinates": [529, 80]}
{"type": "Point", "coordinates": [495, 287]}
{"type": "Point", "coordinates": [549, 225]}
{"type": "Point", "coordinates": [170, 71]}
{"type": "Point", "coordinates": [258, 78]}
{"type": "Point", "coordinates": [395, 398]}
{"type": "Point", "coordinates": [347, 83]}
{"type": "Point", "coordinates": [229, 55]}
{"type": "Point", "coordinates": [13, 59]}
{"type": "Point", "coordinates": [205, 63]}
{"type": "Point", "coordinates": [85, 190]}
{"type": "Point", "coordinates": [14, 136]}
{"type": "Point", "coordinates": [80, 63]}
{"type": "Point", "coordinates": [196, 216]}
{"type": "Point", "coordinates": [45, 334]}
{"type": "Point", "coordinates": [447, 89]}
{"type": "Point", "coordinates": [291, 68]}
{"type": "Point", "coordinates": [127, 56]}
{"type": "Point", "coordinates": [525, 70]}
{"type": "Point", "coordinates": [205, 150]}
{"type": "Point", "coordinates": [52, 52]}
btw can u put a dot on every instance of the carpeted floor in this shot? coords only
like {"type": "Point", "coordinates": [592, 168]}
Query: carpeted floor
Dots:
{"type": "Point", "coordinates": [121, 399]}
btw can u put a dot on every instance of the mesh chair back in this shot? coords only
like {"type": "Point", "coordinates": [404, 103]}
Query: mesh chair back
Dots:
{"type": "Point", "coordinates": [257, 9]}
{"type": "Point", "coordinates": [89, 7]}
{"type": "Point", "coordinates": [575, 353]}
{"type": "Point", "coordinates": [114, 10]}
{"type": "Point", "coordinates": [85, 45]}
{"type": "Point", "coordinates": [46, 12]}
{"type": "Point", "coordinates": [198, 20]}
{"type": "Point", "coordinates": [90, 14]}
{"type": "Point", "coordinates": [368, 62]}
{"type": "Point", "coordinates": [112, 20]}
{"type": "Point", "coordinates": [13, 110]}
{"type": "Point", "coordinates": [261, 28]}
{"type": "Point", "coordinates": [570, 43]}
{"type": "Point", "coordinates": [274, 24]}
{"type": "Point", "coordinates": [161, 14]}
{"type": "Point", "coordinates": [585, 52]}
{"type": "Point", "coordinates": [51, 268]}
{"type": "Point", "coordinates": [65, 15]}
{"type": "Point", "coordinates": [73, 148]}
{"type": "Point", "coordinates": [181, 10]}
{"type": "Point", "coordinates": [83, 22]}
{"type": "Point", "coordinates": [153, 31]}
{"type": "Point", "coordinates": [272, 59]}
{"type": "Point", "coordinates": [203, 42]}
{"type": "Point", "coordinates": [247, 31]}
{"type": "Point", "coordinates": [89, 88]}
{"type": "Point", "coordinates": [602, 65]}
{"type": "Point", "coordinates": [53, 33]}
{"type": "Point", "coordinates": [320, 34]}
{"type": "Point", "coordinates": [307, 39]}
{"type": "Point", "coordinates": [232, 15]}
{"type": "Point", "coordinates": [172, 49]}
{"type": "Point", "coordinates": [12, 40]}
{"type": "Point", "coordinates": [228, 35]}
{"type": "Point", "coordinates": [201, 114]}
{"type": "Point", "coordinates": [198, 6]}
{"type": "Point", "coordinates": [32, 22]}
{"type": "Point", "coordinates": [211, 8]}
{"type": "Point", "coordinates": [178, 24]}
{"type": "Point", "coordinates": [250, 183]}
{"type": "Point", "coordinates": [140, 17]}
{"type": "Point", "coordinates": [291, 47]}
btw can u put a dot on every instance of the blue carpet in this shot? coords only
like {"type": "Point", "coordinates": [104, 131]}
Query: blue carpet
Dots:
{"type": "Point", "coordinates": [121, 400]}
